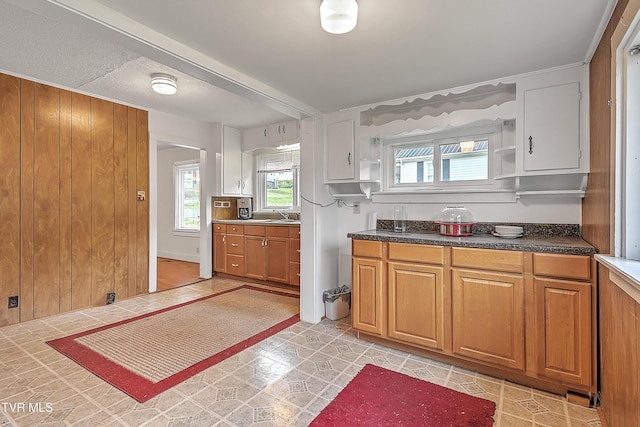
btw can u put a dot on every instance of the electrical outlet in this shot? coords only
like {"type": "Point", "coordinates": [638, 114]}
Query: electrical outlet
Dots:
{"type": "Point", "coordinates": [356, 207]}
{"type": "Point", "coordinates": [111, 297]}
{"type": "Point", "coordinates": [13, 301]}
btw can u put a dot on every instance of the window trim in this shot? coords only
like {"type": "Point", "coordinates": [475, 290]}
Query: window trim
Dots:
{"type": "Point", "coordinates": [178, 191]}
{"type": "Point", "coordinates": [261, 176]}
{"type": "Point", "coordinates": [492, 133]}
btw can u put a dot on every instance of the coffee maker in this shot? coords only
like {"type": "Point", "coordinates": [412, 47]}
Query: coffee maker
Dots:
{"type": "Point", "coordinates": [244, 208]}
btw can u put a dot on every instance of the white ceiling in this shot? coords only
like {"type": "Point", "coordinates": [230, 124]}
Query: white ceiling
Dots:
{"type": "Point", "coordinates": [248, 62]}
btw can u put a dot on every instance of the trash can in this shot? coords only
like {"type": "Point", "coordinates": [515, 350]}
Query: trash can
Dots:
{"type": "Point", "coordinates": [337, 302]}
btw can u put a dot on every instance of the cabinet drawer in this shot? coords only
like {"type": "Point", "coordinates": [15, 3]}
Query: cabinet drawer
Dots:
{"type": "Point", "coordinates": [254, 230]}
{"type": "Point", "coordinates": [294, 250]}
{"type": "Point", "coordinates": [235, 229]}
{"type": "Point", "coordinates": [294, 273]}
{"type": "Point", "coordinates": [488, 259]}
{"type": "Point", "coordinates": [418, 253]}
{"type": "Point", "coordinates": [235, 244]}
{"type": "Point", "coordinates": [219, 228]}
{"type": "Point", "coordinates": [559, 265]}
{"type": "Point", "coordinates": [294, 232]}
{"type": "Point", "coordinates": [367, 248]}
{"type": "Point", "coordinates": [235, 265]}
{"type": "Point", "coordinates": [277, 231]}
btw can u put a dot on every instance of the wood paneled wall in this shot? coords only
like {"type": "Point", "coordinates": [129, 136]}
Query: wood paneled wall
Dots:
{"type": "Point", "coordinates": [596, 205]}
{"type": "Point", "coordinates": [620, 364]}
{"type": "Point", "coordinates": [71, 229]}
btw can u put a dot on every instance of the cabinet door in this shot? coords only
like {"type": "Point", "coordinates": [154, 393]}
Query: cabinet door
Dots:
{"type": "Point", "coordinates": [247, 174]}
{"type": "Point", "coordinates": [255, 254]}
{"type": "Point", "coordinates": [552, 128]}
{"type": "Point", "coordinates": [219, 252]}
{"type": "Point", "coordinates": [340, 151]}
{"type": "Point", "coordinates": [254, 138]}
{"type": "Point", "coordinates": [368, 296]}
{"type": "Point", "coordinates": [278, 259]}
{"type": "Point", "coordinates": [416, 304]}
{"type": "Point", "coordinates": [231, 161]}
{"type": "Point", "coordinates": [488, 317]}
{"type": "Point", "coordinates": [289, 130]}
{"type": "Point", "coordinates": [563, 330]}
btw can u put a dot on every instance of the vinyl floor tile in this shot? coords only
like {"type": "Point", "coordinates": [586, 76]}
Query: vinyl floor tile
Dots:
{"type": "Point", "coordinates": [285, 380]}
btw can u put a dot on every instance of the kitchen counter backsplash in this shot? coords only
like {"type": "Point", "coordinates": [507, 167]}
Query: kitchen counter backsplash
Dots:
{"type": "Point", "coordinates": [529, 229]}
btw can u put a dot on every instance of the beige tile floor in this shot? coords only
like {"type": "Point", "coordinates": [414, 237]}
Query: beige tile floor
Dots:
{"type": "Point", "coordinates": [285, 380]}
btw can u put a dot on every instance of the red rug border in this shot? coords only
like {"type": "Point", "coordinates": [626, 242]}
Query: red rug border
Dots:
{"type": "Point", "coordinates": [140, 388]}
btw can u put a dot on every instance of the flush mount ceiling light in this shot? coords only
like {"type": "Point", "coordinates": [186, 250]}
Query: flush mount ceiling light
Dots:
{"type": "Point", "coordinates": [338, 16]}
{"type": "Point", "coordinates": [164, 84]}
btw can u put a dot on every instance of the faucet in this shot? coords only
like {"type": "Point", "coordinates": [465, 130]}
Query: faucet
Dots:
{"type": "Point", "coordinates": [285, 214]}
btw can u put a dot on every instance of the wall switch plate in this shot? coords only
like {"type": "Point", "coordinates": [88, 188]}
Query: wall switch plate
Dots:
{"type": "Point", "coordinates": [13, 301]}
{"type": "Point", "coordinates": [356, 207]}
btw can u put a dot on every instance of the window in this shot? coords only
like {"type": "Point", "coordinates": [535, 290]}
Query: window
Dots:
{"type": "Point", "coordinates": [627, 221]}
{"type": "Point", "coordinates": [187, 195]}
{"type": "Point", "coordinates": [426, 161]}
{"type": "Point", "coordinates": [278, 179]}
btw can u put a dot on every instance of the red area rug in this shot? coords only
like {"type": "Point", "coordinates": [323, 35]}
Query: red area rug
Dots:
{"type": "Point", "coordinates": [149, 354]}
{"type": "Point", "coordinates": [380, 397]}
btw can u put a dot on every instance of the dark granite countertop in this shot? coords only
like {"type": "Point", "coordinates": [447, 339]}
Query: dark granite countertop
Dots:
{"type": "Point", "coordinates": [531, 243]}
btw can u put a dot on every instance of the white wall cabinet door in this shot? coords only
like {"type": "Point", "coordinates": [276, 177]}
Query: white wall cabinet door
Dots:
{"type": "Point", "coordinates": [237, 166]}
{"type": "Point", "coordinates": [340, 155]}
{"type": "Point", "coordinates": [283, 131]}
{"type": "Point", "coordinates": [231, 161]}
{"type": "Point", "coordinates": [247, 174]}
{"type": "Point", "coordinates": [255, 138]}
{"type": "Point", "coordinates": [552, 128]}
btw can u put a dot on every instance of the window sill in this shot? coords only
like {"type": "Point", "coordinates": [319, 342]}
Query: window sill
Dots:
{"type": "Point", "coordinates": [194, 234]}
{"type": "Point", "coordinates": [625, 273]}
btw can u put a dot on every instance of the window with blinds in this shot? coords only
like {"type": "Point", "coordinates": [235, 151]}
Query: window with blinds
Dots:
{"type": "Point", "coordinates": [278, 178]}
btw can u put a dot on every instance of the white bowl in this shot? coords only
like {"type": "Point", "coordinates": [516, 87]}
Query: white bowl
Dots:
{"type": "Point", "coordinates": [508, 229]}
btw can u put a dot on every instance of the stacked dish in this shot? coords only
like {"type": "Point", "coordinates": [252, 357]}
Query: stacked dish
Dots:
{"type": "Point", "coordinates": [508, 231]}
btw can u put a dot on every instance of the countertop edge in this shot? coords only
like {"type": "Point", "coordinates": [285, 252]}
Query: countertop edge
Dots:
{"type": "Point", "coordinates": [545, 244]}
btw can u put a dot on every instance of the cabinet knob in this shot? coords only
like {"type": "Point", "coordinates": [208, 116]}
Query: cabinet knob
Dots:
{"type": "Point", "coordinates": [235, 245]}
{"type": "Point", "coordinates": [530, 144]}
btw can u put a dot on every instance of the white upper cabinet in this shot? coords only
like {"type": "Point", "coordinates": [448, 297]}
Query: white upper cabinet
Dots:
{"type": "Point", "coordinates": [237, 168]}
{"type": "Point", "coordinates": [551, 126]}
{"type": "Point", "coordinates": [340, 156]}
{"type": "Point", "coordinates": [255, 138]}
{"type": "Point", "coordinates": [283, 131]}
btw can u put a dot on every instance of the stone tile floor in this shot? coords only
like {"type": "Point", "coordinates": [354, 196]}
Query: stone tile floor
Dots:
{"type": "Point", "coordinates": [285, 380]}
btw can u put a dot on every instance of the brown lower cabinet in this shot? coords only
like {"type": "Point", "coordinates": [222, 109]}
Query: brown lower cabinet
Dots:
{"type": "Point", "coordinates": [255, 251]}
{"type": "Point", "coordinates": [519, 315]}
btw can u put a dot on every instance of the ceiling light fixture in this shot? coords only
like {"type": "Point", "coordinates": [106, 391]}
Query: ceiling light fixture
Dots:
{"type": "Point", "coordinates": [164, 84]}
{"type": "Point", "coordinates": [338, 16]}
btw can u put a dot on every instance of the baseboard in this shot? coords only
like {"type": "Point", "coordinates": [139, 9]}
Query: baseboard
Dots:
{"type": "Point", "coordinates": [179, 257]}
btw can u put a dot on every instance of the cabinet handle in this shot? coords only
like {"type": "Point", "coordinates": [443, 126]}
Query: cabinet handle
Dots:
{"type": "Point", "coordinates": [298, 250]}
{"type": "Point", "coordinates": [235, 265]}
{"type": "Point", "coordinates": [224, 239]}
{"type": "Point", "coordinates": [243, 184]}
{"type": "Point", "coordinates": [284, 131]}
{"type": "Point", "coordinates": [265, 132]}
{"type": "Point", "coordinates": [530, 145]}
{"type": "Point", "coordinates": [266, 242]}
{"type": "Point", "coordinates": [349, 159]}
{"type": "Point", "coordinates": [299, 275]}
{"type": "Point", "coordinates": [238, 183]}
{"type": "Point", "coordinates": [235, 245]}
